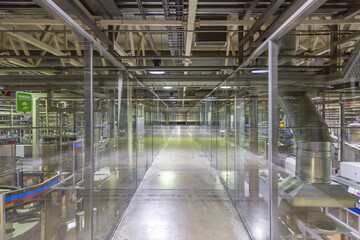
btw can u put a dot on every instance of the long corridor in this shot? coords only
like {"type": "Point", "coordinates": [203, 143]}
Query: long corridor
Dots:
{"type": "Point", "coordinates": [181, 197]}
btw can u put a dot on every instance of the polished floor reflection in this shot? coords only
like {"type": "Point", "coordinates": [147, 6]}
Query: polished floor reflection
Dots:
{"type": "Point", "coordinates": [181, 197]}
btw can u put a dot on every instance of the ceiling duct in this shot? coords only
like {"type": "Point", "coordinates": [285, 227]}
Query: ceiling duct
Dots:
{"type": "Point", "coordinates": [211, 39]}
{"type": "Point", "coordinates": [313, 153]}
{"type": "Point", "coordinates": [311, 187]}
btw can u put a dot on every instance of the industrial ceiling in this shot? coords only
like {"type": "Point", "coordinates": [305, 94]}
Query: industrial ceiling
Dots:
{"type": "Point", "coordinates": [199, 43]}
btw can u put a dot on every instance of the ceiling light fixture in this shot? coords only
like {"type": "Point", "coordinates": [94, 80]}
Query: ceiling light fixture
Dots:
{"type": "Point", "coordinates": [167, 87]}
{"type": "Point", "coordinates": [260, 71]}
{"type": "Point", "coordinates": [156, 64]}
{"type": "Point", "coordinates": [156, 72]}
{"type": "Point", "coordinates": [2, 88]}
{"type": "Point", "coordinates": [225, 87]}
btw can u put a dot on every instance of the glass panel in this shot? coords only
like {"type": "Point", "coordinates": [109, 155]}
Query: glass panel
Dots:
{"type": "Point", "coordinates": [232, 130]}
{"type": "Point", "coordinates": [84, 143]}
{"type": "Point", "coordinates": [316, 192]}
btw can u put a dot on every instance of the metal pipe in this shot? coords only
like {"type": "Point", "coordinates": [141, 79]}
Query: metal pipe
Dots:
{"type": "Point", "coordinates": [313, 153]}
{"type": "Point", "coordinates": [273, 138]}
{"type": "Point", "coordinates": [253, 120]}
{"type": "Point", "coordinates": [89, 138]}
{"type": "Point", "coordinates": [342, 131]}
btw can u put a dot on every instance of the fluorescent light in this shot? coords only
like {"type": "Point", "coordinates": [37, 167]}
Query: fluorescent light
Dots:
{"type": "Point", "coordinates": [167, 87]}
{"type": "Point", "coordinates": [317, 98]}
{"type": "Point", "coordinates": [156, 72]}
{"type": "Point", "coordinates": [1, 87]}
{"type": "Point", "coordinates": [225, 87]}
{"type": "Point", "coordinates": [260, 71]}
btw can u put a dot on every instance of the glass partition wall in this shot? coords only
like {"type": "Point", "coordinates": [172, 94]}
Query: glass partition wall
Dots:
{"type": "Point", "coordinates": [78, 145]}
{"type": "Point", "coordinates": [285, 145]}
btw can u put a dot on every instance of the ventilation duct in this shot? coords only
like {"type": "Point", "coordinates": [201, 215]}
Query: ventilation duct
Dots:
{"type": "Point", "coordinates": [204, 39]}
{"type": "Point", "coordinates": [311, 187]}
{"type": "Point", "coordinates": [313, 157]}
{"type": "Point", "coordinates": [313, 153]}
{"type": "Point", "coordinates": [211, 39]}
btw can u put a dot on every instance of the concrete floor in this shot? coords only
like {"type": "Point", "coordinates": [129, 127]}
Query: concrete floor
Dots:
{"type": "Point", "coordinates": [181, 197]}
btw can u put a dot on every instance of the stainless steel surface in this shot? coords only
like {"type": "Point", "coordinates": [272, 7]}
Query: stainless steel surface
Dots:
{"type": "Point", "coordinates": [313, 151]}
{"type": "Point", "coordinates": [89, 139]}
{"type": "Point", "coordinates": [181, 197]}
{"type": "Point", "coordinates": [313, 161]}
{"type": "Point", "coordinates": [273, 138]}
{"type": "Point", "coordinates": [300, 194]}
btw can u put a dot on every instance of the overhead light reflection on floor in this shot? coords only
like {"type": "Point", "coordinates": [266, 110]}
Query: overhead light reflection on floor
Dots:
{"type": "Point", "coordinates": [158, 227]}
{"type": "Point", "coordinates": [167, 178]}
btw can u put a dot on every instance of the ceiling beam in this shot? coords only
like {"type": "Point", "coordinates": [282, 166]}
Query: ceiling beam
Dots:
{"type": "Point", "coordinates": [250, 9]}
{"type": "Point", "coordinates": [180, 68]}
{"type": "Point", "coordinates": [294, 19]}
{"type": "Point", "coordinates": [275, 4]}
{"type": "Point", "coordinates": [340, 43]}
{"type": "Point", "coordinates": [173, 23]}
{"type": "Point", "coordinates": [89, 22]}
{"type": "Point", "coordinates": [148, 33]}
{"type": "Point", "coordinates": [80, 14]}
{"type": "Point", "coordinates": [131, 69]}
{"type": "Point", "coordinates": [190, 26]}
{"type": "Point", "coordinates": [56, 11]}
{"type": "Point", "coordinates": [33, 41]}
{"type": "Point", "coordinates": [295, 5]}
{"type": "Point", "coordinates": [129, 57]}
{"type": "Point", "coordinates": [352, 12]}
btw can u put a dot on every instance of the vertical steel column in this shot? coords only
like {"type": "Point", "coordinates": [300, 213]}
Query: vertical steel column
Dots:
{"type": "Point", "coordinates": [342, 131]}
{"type": "Point", "coordinates": [120, 86]}
{"type": "Point", "coordinates": [239, 145]}
{"type": "Point", "coordinates": [129, 123]}
{"type": "Point", "coordinates": [333, 47]}
{"type": "Point", "coordinates": [152, 127]}
{"type": "Point", "coordinates": [235, 118]}
{"type": "Point", "coordinates": [60, 119]}
{"type": "Point", "coordinates": [253, 121]}
{"type": "Point", "coordinates": [2, 217]}
{"type": "Point", "coordinates": [273, 132]}
{"type": "Point", "coordinates": [89, 140]}
{"type": "Point", "coordinates": [323, 106]}
{"type": "Point", "coordinates": [35, 134]}
{"type": "Point", "coordinates": [118, 117]}
{"type": "Point", "coordinates": [12, 120]}
{"type": "Point", "coordinates": [135, 130]}
{"type": "Point", "coordinates": [254, 147]}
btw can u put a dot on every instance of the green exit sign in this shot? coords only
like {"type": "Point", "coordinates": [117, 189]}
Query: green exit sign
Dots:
{"type": "Point", "coordinates": [23, 102]}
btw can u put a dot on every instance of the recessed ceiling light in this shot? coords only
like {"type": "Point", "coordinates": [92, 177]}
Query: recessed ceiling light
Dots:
{"type": "Point", "coordinates": [260, 71]}
{"type": "Point", "coordinates": [167, 87]}
{"type": "Point", "coordinates": [156, 72]}
{"type": "Point", "coordinates": [225, 87]}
